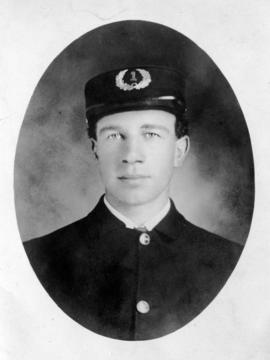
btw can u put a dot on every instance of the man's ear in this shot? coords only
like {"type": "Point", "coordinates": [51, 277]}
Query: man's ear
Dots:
{"type": "Point", "coordinates": [94, 147]}
{"type": "Point", "coordinates": [181, 150]}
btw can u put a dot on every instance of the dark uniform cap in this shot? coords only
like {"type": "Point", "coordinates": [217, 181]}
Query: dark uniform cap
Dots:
{"type": "Point", "coordinates": [134, 88]}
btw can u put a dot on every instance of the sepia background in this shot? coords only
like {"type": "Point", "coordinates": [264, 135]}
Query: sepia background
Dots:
{"type": "Point", "coordinates": [235, 34]}
{"type": "Point", "coordinates": [56, 179]}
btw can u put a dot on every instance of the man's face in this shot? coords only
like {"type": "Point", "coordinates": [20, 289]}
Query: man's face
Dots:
{"type": "Point", "coordinates": [136, 152]}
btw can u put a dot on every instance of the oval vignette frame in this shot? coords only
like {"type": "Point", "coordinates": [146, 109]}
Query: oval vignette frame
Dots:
{"type": "Point", "coordinates": [56, 179]}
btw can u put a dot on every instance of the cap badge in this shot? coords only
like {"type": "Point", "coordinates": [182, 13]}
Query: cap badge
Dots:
{"type": "Point", "coordinates": [136, 79]}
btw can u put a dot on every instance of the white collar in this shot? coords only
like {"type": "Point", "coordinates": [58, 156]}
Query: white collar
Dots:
{"type": "Point", "coordinates": [149, 225]}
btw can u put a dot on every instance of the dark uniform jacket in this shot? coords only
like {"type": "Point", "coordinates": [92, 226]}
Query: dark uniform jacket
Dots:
{"type": "Point", "coordinates": [97, 271]}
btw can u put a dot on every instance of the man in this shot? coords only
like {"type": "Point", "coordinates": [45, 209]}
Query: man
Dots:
{"type": "Point", "coordinates": [134, 268]}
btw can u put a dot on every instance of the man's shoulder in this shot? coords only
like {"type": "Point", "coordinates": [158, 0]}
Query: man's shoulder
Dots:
{"type": "Point", "coordinates": [64, 237]}
{"type": "Point", "coordinates": [198, 232]}
{"type": "Point", "coordinates": [191, 236]}
{"type": "Point", "coordinates": [210, 245]}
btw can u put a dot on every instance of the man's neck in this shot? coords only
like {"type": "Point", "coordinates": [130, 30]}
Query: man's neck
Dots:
{"type": "Point", "coordinates": [140, 213]}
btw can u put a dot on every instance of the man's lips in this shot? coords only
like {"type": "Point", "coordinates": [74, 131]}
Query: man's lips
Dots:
{"type": "Point", "coordinates": [133, 177]}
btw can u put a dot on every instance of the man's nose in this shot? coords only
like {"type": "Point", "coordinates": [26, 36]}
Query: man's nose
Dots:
{"type": "Point", "coordinates": [133, 151]}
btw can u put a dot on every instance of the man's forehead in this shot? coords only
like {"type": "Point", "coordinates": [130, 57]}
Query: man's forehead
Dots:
{"type": "Point", "coordinates": [137, 119]}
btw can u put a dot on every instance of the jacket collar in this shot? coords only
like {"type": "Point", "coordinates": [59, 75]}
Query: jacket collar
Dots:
{"type": "Point", "coordinates": [149, 224]}
{"type": "Point", "coordinates": [171, 225]}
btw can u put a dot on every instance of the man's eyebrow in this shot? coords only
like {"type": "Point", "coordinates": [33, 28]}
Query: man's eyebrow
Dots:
{"type": "Point", "coordinates": [109, 128]}
{"type": "Point", "coordinates": [155, 126]}
{"type": "Point", "coordinates": [143, 127]}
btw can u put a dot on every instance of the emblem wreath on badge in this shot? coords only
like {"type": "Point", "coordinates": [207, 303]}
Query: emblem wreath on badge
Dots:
{"type": "Point", "coordinates": [135, 84]}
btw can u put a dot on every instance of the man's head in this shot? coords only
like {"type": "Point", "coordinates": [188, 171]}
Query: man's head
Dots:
{"type": "Point", "coordinates": [138, 136]}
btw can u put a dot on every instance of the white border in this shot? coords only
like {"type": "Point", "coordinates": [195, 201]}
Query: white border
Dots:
{"type": "Point", "coordinates": [236, 35]}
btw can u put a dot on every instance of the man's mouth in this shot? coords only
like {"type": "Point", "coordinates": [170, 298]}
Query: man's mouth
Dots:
{"type": "Point", "coordinates": [133, 177]}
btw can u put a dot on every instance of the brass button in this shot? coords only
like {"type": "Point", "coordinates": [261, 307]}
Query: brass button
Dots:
{"type": "Point", "coordinates": [143, 307]}
{"type": "Point", "coordinates": [144, 239]}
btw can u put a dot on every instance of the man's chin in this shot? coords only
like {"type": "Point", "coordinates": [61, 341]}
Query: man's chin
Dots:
{"type": "Point", "coordinates": [130, 198]}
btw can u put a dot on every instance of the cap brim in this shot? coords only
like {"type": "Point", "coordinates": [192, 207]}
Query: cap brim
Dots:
{"type": "Point", "coordinates": [175, 106]}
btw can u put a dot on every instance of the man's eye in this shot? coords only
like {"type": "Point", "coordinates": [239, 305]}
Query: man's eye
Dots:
{"type": "Point", "coordinates": [151, 134]}
{"type": "Point", "coordinates": [114, 136]}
